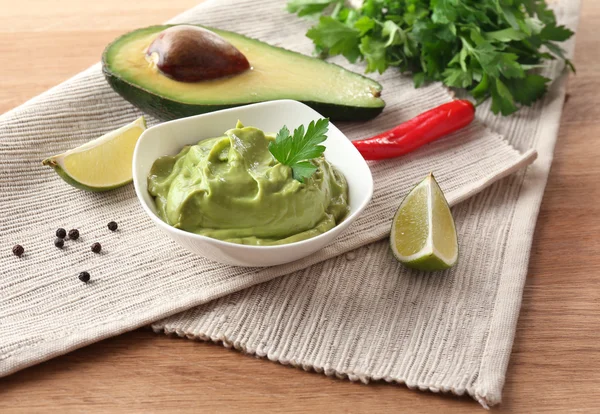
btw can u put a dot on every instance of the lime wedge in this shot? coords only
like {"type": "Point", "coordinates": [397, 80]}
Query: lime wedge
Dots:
{"type": "Point", "coordinates": [423, 235]}
{"type": "Point", "coordinates": [101, 164]}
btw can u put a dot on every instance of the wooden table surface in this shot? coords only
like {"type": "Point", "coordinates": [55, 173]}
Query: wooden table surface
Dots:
{"type": "Point", "coordinates": [555, 364]}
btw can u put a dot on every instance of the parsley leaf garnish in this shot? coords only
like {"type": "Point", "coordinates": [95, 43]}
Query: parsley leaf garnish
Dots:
{"type": "Point", "coordinates": [298, 149]}
{"type": "Point", "coordinates": [491, 48]}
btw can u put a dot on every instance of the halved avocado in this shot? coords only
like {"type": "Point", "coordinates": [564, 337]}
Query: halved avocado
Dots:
{"type": "Point", "coordinates": [275, 73]}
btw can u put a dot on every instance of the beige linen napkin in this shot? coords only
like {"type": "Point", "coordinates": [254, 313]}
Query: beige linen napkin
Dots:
{"type": "Point", "coordinates": [142, 276]}
{"type": "Point", "coordinates": [364, 317]}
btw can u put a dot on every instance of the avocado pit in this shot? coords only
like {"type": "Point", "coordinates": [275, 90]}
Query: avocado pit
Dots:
{"type": "Point", "coordinates": [188, 53]}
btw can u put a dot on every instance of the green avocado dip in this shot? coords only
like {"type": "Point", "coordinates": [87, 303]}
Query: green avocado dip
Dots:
{"type": "Point", "coordinates": [231, 188]}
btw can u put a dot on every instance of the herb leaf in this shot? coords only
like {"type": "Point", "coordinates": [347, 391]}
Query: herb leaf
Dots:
{"type": "Point", "coordinates": [309, 7]}
{"type": "Point", "coordinates": [302, 170]}
{"type": "Point", "coordinates": [336, 37]}
{"type": "Point", "coordinates": [298, 149]}
{"type": "Point", "coordinates": [528, 89]}
{"type": "Point", "coordinates": [556, 33]}
{"type": "Point", "coordinates": [492, 48]}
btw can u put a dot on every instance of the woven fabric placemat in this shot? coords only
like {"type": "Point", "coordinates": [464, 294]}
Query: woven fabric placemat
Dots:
{"type": "Point", "coordinates": [142, 276]}
{"type": "Point", "coordinates": [364, 317]}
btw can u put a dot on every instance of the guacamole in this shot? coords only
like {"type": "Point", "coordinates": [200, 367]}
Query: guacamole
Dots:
{"type": "Point", "coordinates": [231, 188]}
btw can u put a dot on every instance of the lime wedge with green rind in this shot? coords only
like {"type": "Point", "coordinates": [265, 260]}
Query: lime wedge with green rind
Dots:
{"type": "Point", "coordinates": [102, 164]}
{"type": "Point", "coordinates": [423, 234]}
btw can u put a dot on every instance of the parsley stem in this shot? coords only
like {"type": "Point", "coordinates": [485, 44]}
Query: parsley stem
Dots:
{"type": "Point", "coordinates": [336, 10]}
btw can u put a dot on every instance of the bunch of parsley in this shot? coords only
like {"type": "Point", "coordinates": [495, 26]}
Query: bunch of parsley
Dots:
{"type": "Point", "coordinates": [489, 47]}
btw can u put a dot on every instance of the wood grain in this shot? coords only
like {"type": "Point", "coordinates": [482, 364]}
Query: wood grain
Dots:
{"type": "Point", "coordinates": [555, 366]}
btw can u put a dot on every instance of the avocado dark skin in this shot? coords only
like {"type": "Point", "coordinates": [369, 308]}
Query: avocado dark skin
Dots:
{"type": "Point", "coordinates": [192, 54]}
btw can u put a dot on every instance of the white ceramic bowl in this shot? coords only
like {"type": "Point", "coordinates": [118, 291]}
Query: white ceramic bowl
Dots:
{"type": "Point", "coordinates": [168, 138]}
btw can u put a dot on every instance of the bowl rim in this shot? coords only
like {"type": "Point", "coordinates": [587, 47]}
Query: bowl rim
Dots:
{"type": "Point", "coordinates": [167, 227]}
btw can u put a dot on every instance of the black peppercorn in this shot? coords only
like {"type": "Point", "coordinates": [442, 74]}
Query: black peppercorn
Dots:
{"type": "Point", "coordinates": [59, 243]}
{"type": "Point", "coordinates": [73, 234]}
{"type": "Point", "coordinates": [96, 247]}
{"type": "Point", "coordinates": [112, 226]}
{"type": "Point", "coordinates": [84, 277]}
{"type": "Point", "coordinates": [18, 250]}
{"type": "Point", "coordinates": [61, 233]}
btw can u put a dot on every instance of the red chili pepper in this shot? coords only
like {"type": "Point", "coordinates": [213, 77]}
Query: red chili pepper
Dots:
{"type": "Point", "coordinates": [418, 131]}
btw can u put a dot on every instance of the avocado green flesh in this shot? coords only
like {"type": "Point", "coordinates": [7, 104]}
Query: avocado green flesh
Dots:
{"type": "Point", "coordinates": [231, 188]}
{"type": "Point", "coordinates": [275, 74]}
